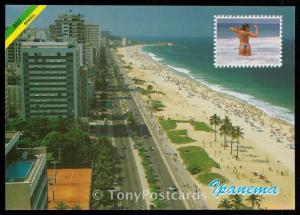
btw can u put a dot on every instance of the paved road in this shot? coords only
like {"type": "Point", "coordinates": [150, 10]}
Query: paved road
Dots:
{"type": "Point", "coordinates": [179, 173]}
{"type": "Point", "coordinates": [128, 179]}
{"type": "Point", "coordinates": [162, 174]}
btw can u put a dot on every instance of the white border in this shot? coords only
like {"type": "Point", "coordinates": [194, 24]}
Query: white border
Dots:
{"type": "Point", "coordinates": [216, 17]}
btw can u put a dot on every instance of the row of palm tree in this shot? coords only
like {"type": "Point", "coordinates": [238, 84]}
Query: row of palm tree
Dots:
{"type": "Point", "coordinates": [227, 129]}
{"type": "Point", "coordinates": [236, 202]}
{"type": "Point", "coordinates": [64, 206]}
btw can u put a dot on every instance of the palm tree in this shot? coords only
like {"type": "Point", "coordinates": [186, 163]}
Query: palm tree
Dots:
{"type": "Point", "coordinates": [149, 88]}
{"type": "Point", "coordinates": [225, 204]}
{"type": "Point", "coordinates": [76, 207]}
{"type": "Point", "coordinates": [215, 120]}
{"type": "Point", "coordinates": [222, 132]}
{"type": "Point", "coordinates": [233, 136]}
{"type": "Point", "coordinates": [238, 134]}
{"type": "Point", "coordinates": [254, 200]}
{"type": "Point", "coordinates": [236, 201]}
{"type": "Point", "coordinates": [61, 206]}
{"type": "Point", "coordinates": [225, 129]}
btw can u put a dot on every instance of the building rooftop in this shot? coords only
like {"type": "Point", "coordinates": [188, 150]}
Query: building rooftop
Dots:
{"type": "Point", "coordinates": [11, 138]}
{"type": "Point", "coordinates": [49, 44]}
{"type": "Point", "coordinates": [25, 164]}
{"type": "Point", "coordinates": [9, 135]}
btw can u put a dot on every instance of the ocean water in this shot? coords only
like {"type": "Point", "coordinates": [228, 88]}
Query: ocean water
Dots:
{"type": "Point", "coordinates": [265, 51]}
{"type": "Point", "coordinates": [270, 89]}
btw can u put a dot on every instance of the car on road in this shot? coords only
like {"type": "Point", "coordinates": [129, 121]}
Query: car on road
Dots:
{"type": "Point", "coordinates": [173, 188]}
{"type": "Point", "coordinates": [152, 148]}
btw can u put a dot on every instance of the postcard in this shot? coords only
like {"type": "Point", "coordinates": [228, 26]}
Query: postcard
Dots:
{"type": "Point", "coordinates": [142, 107]}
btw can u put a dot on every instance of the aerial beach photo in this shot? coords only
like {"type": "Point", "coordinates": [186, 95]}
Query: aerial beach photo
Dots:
{"type": "Point", "coordinates": [124, 108]}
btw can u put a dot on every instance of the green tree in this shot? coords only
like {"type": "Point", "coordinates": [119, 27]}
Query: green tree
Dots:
{"type": "Point", "coordinates": [103, 173]}
{"type": "Point", "coordinates": [103, 96]}
{"type": "Point", "coordinates": [16, 124]}
{"type": "Point", "coordinates": [61, 206]}
{"type": "Point", "coordinates": [157, 105]}
{"type": "Point", "coordinates": [52, 140]}
{"type": "Point", "coordinates": [76, 207]}
{"type": "Point", "coordinates": [215, 120]}
{"type": "Point", "coordinates": [25, 142]}
{"type": "Point", "coordinates": [232, 134]}
{"type": "Point", "coordinates": [254, 200]}
{"type": "Point", "coordinates": [149, 88]}
{"type": "Point", "coordinates": [236, 201]}
{"type": "Point", "coordinates": [225, 129]}
{"type": "Point", "coordinates": [225, 204]}
{"type": "Point", "coordinates": [238, 134]}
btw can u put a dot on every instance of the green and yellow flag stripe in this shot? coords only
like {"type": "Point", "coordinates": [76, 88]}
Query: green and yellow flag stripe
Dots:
{"type": "Point", "coordinates": [22, 22]}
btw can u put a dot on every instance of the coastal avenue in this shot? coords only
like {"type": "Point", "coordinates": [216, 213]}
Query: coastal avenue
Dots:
{"type": "Point", "coordinates": [178, 171]}
{"type": "Point", "coordinates": [127, 179]}
{"type": "Point", "coordinates": [164, 178]}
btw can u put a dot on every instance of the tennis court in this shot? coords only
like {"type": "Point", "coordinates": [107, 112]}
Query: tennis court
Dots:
{"type": "Point", "coordinates": [72, 186]}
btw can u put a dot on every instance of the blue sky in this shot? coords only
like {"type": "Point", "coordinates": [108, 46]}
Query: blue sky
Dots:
{"type": "Point", "coordinates": [193, 21]}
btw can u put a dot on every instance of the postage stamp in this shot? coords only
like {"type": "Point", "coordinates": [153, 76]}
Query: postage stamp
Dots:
{"type": "Point", "coordinates": [247, 41]}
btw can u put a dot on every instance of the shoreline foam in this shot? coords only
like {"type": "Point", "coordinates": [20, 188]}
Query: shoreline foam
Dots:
{"type": "Point", "coordinates": [277, 112]}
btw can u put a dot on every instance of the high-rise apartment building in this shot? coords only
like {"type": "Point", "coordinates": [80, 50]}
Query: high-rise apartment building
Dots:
{"type": "Point", "coordinates": [92, 47]}
{"type": "Point", "coordinates": [26, 186]}
{"type": "Point", "coordinates": [69, 27]}
{"type": "Point", "coordinates": [6, 99]}
{"type": "Point", "coordinates": [49, 79]}
{"type": "Point", "coordinates": [14, 51]}
{"type": "Point", "coordinates": [92, 34]}
{"type": "Point", "coordinates": [83, 91]}
{"type": "Point", "coordinates": [52, 32]}
{"type": "Point", "coordinates": [14, 100]}
{"type": "Point", "coordinates": [72, 27]}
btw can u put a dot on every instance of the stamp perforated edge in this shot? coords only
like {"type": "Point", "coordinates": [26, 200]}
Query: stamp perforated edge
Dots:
{"type": "Point", "coordinates": [246, 65]}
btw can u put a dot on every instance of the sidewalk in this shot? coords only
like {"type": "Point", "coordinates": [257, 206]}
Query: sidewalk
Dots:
{"type": "Point", "coordinates": [177, 170]}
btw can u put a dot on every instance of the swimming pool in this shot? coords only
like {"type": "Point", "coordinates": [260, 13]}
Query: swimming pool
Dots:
{"type": "Point", "coordinates": [18, 170]}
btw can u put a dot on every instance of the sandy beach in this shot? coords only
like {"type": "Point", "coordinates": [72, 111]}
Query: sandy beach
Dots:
{"type": "Point", "coordinates": [264, 148]}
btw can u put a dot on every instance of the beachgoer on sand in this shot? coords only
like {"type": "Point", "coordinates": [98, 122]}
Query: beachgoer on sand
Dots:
{"type": "Point", "coordinates": [243, 34]}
